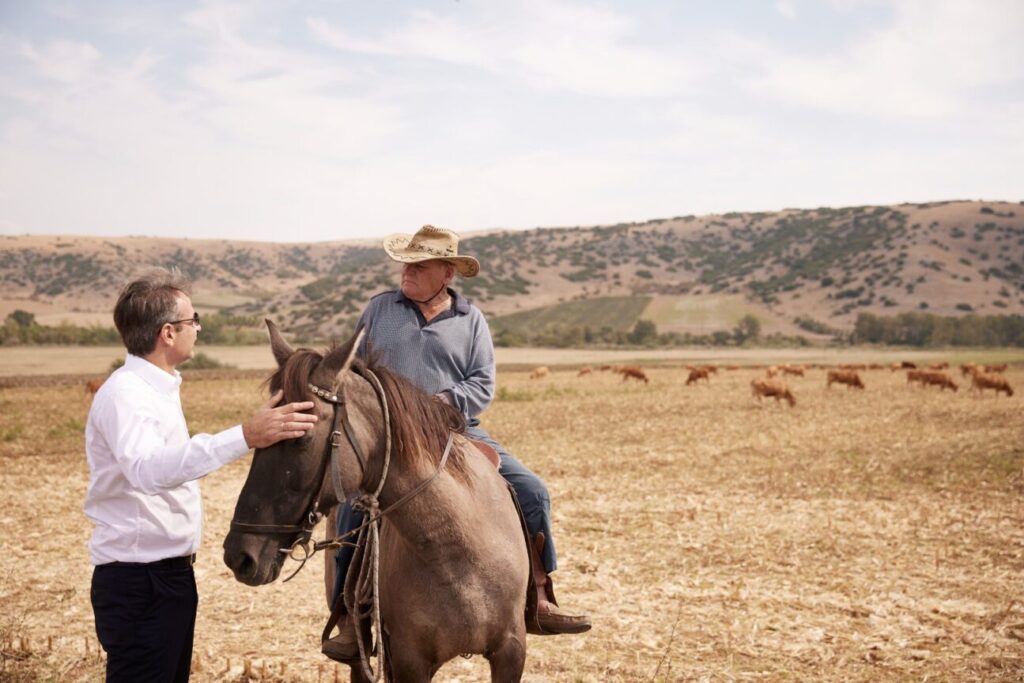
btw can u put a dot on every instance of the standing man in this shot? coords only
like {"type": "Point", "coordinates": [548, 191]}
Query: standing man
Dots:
{"type": "Point", "coordinates": [143, 498]}
{"type": "Point", "coordinates": [432, 336]}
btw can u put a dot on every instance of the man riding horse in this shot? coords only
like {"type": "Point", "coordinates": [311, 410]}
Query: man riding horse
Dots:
{"type": "Point", "coordinates": [434, 337]}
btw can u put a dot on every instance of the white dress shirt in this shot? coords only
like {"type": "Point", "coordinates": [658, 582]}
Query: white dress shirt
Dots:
{"type": "Point", "coordinates": [143, 498]}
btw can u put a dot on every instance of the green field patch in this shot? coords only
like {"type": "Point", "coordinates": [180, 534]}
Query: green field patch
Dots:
{"type": "Point", "coordinates": [617, 313]}
{"type": "Point", "coordinates": [695, 314]}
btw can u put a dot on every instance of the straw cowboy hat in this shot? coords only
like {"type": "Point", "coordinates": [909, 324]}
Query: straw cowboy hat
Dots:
{"type": "Point", "coordinates": [430, 243]}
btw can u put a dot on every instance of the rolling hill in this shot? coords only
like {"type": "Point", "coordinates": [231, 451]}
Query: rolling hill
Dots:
{"type": "Point", "coordinates": [793, 269]}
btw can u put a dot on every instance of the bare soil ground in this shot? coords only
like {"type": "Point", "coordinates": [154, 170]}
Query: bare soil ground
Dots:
{"type": "Point", "coordinates": [860, 536]}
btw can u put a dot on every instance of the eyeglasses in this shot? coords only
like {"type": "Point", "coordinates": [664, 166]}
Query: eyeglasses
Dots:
{"type": "Point", "coordinates": [194, 320]}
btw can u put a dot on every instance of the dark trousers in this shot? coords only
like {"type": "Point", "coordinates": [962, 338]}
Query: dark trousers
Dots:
{"type": "Point", "coordinates": [530, 489]}
{"type": "Point", "coordinates": [145, 620]}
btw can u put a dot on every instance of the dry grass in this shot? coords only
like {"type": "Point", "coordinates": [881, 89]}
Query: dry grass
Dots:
{"type": "Point", "coordinates": [875, 535]}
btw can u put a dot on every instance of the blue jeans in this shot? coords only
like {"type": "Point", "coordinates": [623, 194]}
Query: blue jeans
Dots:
{"type": "Point", "coordinates": [531, 491]}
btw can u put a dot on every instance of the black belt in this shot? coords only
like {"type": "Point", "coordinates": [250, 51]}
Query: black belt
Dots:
{"type": "Point", "coordinates": [168, 563]}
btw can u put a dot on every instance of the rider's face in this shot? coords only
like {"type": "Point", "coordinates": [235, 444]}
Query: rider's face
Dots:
{"type": "Point", "coordinates": [423, 280]}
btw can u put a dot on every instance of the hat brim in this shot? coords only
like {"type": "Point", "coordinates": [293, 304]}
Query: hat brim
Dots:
{"type": "Point", "coordinates": [397, 249]}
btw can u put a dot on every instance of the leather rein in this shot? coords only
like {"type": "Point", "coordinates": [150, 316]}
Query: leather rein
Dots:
{"type": "Point", "coordinates": [301, 550]}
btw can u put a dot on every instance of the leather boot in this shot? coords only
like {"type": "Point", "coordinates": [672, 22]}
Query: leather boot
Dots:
{"type": "Point", "coordinates": [551, 619]}
{"type": "Point", "coordinates": [342, 647]}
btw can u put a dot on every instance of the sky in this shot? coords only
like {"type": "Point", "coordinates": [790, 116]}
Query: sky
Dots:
{"type": "Point", "coordinates": [307, 121]}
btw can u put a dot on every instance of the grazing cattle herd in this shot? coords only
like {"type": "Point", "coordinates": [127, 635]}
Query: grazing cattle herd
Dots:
{"type": "Point", "coordinates": [981, 376]}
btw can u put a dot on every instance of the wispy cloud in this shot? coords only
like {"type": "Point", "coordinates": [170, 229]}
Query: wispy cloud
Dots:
{"type": "Point", "coordinates": [928, 62]}
{"type": "Point", "coordinates": [61, 60]}
{"type": "Point", "coordinates": [786, 8]}
{"type": "Point", "coordinates": [550, 45]}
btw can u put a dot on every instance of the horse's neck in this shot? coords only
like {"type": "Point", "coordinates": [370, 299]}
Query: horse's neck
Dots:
{"type": "Point", "coordinates": [433, 511]}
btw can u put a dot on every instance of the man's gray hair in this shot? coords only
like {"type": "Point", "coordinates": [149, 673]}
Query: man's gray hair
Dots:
{"type": "Point", "coordinates": [145, 304]}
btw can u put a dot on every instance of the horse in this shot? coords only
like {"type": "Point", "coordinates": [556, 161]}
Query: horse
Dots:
{"type": "Point", "coordinates": [453, 566]}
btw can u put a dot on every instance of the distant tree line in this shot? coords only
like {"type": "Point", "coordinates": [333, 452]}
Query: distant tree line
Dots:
{"type": "Point", "coordinates": [21, 328]}
{"type": "Point", "coordinates": [927, 329]}
{"type": "Point", "coordinates": [644, 334]}
{"type": "Point", "coordinates": [905, 329]}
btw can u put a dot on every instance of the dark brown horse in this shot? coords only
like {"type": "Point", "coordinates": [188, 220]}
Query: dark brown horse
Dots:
{"type": "Point", "coordinates": [453, 565]}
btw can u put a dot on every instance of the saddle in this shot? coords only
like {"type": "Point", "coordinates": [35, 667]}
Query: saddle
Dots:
{"type": "Point", "coordinates": [489, 452]}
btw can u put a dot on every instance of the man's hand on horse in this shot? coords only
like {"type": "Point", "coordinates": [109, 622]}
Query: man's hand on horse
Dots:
{"type": "Point", "coordinates": [270, 425]}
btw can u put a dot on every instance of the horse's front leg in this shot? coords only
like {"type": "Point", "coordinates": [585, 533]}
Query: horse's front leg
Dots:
{"type": "Point", "coordinates": [411, 670]}
{"type": "Point", "coordinates": [508, 660]}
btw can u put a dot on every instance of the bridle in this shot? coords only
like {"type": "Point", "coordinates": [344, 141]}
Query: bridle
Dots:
{"type": "Point", "coordinates": [301, 550]}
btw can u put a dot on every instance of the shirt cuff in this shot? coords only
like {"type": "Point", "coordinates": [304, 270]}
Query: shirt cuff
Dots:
{"type": "Point", "coordinates": [229, 445]}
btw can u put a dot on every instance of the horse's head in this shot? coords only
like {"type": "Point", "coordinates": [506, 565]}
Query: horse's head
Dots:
{"type": "Point", "coordinates": [292, 480]}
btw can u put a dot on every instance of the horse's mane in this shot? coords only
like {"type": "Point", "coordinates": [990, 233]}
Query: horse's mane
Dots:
{"type": "Point", "coordinates": [420, 424]}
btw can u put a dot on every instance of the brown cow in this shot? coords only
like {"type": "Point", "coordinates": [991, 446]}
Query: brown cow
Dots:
{"type": "Point", "coordinates": [797, 370]}
{"type": "Point", "coordinates": [93, 385]}
{"type": "Point", "coordinates": [771, 387]}
{"type": "Point", "coordinates": [584, 371]}
{"type": "Point", "coordinates": [853, 366]}
{"type": "Point", "coordinates": [939, 379]}
{"type": "Point", "coordinates": [539, 373]}
{"type": "Point", "coordinates": [908, 365]}
{"type": "Point", "coordinates": [939, 366]}
{"type": "Point", "coordinates": [772, 370]}
{"type": "Point", "coordinates": [697, 374]}
{"type": "Point", "coordinates": [848, 377]}
{"type": "Point", "coordinates": [968, 369]}
{"type": "Point", "coordinates": [634, 372]}
{"type": "Point", "coordinates": [996, 368]}
{"type": "Point", "coordinates": [981, 381]}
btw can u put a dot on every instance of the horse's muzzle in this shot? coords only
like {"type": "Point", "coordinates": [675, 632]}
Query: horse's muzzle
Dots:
{"type": "Point", "coordinates": [255, 560]}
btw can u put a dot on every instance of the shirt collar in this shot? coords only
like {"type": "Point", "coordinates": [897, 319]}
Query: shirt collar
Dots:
{"type": "Point", "coordinates": [460, 303]}
{"type": "Point", "coordinates": [152, 375]}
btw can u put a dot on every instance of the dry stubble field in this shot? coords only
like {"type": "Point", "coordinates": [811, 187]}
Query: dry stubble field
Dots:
{"type": "Point", "coordinates": [874, 535]}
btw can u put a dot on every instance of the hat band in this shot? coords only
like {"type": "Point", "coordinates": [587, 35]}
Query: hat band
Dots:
{"type": "Point", "coordinates": [448, 251]}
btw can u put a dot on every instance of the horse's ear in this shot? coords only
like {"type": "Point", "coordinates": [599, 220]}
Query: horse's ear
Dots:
{"type": "Point", "coordinates": [339, 360]}
{"type": "Point", "coordinates": [282, 351]}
